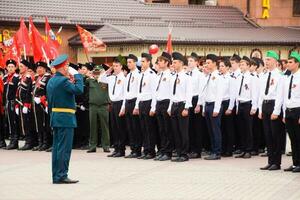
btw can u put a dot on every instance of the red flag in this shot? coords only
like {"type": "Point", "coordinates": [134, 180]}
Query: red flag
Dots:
{"type": "Point", "coordinates": [23, 38]}
{"type": "Point", "coordinates": [51, 40]}
{"type": "Point", "coordinates": [41, 50]}
{"type": "Point", "coordinates": [12, 51]}
{"type": "Point", "coordinates": [169, 48]}
{"type": "Point", "coordinates": [2, 63]}
{"type": "Point", "coordinates": [90, 42]}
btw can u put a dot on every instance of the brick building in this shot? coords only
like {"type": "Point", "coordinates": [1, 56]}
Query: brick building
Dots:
{"type": "Point", "coordinates": [130, 26]}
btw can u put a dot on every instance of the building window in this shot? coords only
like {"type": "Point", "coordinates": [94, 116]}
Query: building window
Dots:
{"type": "Point", "coordinates": [161, 1]}
{"type": "Point", "coordinates": [296, 8]}
{"type": "Point", "coordinates": [200, 2]}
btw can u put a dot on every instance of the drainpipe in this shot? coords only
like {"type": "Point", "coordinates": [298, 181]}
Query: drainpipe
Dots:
{"type": "Point", "coordinates": [248, 9]}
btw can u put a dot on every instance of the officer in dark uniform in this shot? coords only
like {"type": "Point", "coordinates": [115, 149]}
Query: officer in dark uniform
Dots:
{"type": "Point", "coordinates": [61, 91]}
{"type": "Point", "coordinates": [11, 80]}
{"type": "Point", "coordinates": [40, 107]}
{"type": "Point", "coordinates": [23, 104]}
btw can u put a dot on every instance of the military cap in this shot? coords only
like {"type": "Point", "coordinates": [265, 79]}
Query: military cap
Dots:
{"type": "Point", "coordinates": [146, 55]}
{"type": "Point", "coordinates": [212, 57]}
{"type": "Point", "coordinates": [98, 68]}
{"type": "Point", "coordinates": [195, 56]}
{"type": "Point", "coordinates": [165, 56]}
{"type": "Point", "coordinates": [235, 57]}
{"type": "Point", "coordinates": [295, 55]}
{"type": "Point", "coordinates": [41, 64]}
{"type": "Point", "coordinates": [272, 54]}
{"type": "Point", "coordinates": [57, 63]}
{"type": "Point", "coordinates": [245, 58]}
{"type": "Point", "coordinates": [178, 56]}
{"type": "Point", "coordinates": [11, 61]}
{"type": "Point", "coordinates": [133, 57]}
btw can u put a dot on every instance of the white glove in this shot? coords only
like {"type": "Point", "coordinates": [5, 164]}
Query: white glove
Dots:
{"type": "Point", "coordinates": [82, 108]}
{"type": "Point", "coordinates": [37, 100]}
{"type": "Point", "coordinates": [46, 110]}
{"type": "Point", "coordinates": [72, 71]}
{"type": "Point", "coordinates": [25, 110]}
{"type": "Point", "coordinates": [17, 111]}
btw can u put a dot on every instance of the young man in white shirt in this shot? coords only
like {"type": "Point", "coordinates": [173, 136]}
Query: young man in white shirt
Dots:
{"type": "Point", "coordinates": [181, 101]}
{"type": "Point", "coordinates": [291, 107]}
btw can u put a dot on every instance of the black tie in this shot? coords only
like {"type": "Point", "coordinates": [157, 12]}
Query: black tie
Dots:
{"type": "Point", "coordinates": [175, 84]}
{"type": "Point", "coordinates": [290, 87]}
{"type": "Point", "coordinates": [240, 91]}
{"type": "Point", "coordinates": [115, 85]}
{"type": "Point", "coordinates": [141, 83]}
{"type": "Point", "coordinates": [128, 86]}
{"type": "Point", "coordinates": [268, 84]}
{"type": "Point", "coordinates": [159, 81]}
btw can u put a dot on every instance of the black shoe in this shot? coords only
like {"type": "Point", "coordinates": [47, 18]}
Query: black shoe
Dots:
{"type": "Point", "coordinates": [174, 154]}
{"type": "Point", "coordinates": [12, 146]}
{"type": "Point", "coordinates": [26, 147]}
{"type": "Point", "coordinates": [106, 150]}
{"type": "Point", "coordinates": [289, 169]}
{"type": "Point", "coordinates": [240, 156]}
{"type": "Point", "coordinates": [66, 181]}
{"type": "Point", "coordinates": [213, 157]}
{"type": "Point", "coordinates": [264, 155]}
{"type": "Point", "coordinates": [175, 159]}
{"type": "Point", "coordinates": [148, 157]}
{"type": "Point", "coordinates": [49, 150]}
{"type": "Point", "coordinates": [165, 157]}
{"type": "Point", "coordinates": [265, 167]}
{"type": "Point", "coordinates": [289, 154]}
{"type": "Point", "coordinates": [44, 148]}
{"type": "Point", "coordinates": [237, 152]}
{"type": "Point", "coordinates": [247, 155]}
{"type": "Point", "coordinates": [142, 156]}
{"type": "Point", "coordinates": [227, 154]}
{"type": "Point", "coordinates": [119, 154]}
{"type": "Point", "coordinates": [92, 150]}
{"type": "Point", "coordinates": [261, 151]}
{"type": "Point", "coordinates": [112, 155]}
{"type": "Point", "coordinates": [274, 167]}
{"type": "Point", "coordinates": [2, 145]}
{"type": "Point", "coordinates": [182, 159]}
{"type": "Point", "coordinates": [296, 169]}
{"type": "Point", "coordinates": [158, 157]}
{"type": "Point", "coordinates": [37, 148]}
{"type": "Point", "coordinates": [194, 155]}
{"type": "Point", "coordinates": [132, 155]}
{"type": "Point", "coordinates": [254, 153]}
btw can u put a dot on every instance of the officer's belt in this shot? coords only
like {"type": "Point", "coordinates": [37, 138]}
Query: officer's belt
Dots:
{"type": "Point", "coordinates": [64, 110]}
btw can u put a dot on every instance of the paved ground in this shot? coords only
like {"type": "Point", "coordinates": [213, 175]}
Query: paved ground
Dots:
{"type": "Point", "coordinates": [27, 175]}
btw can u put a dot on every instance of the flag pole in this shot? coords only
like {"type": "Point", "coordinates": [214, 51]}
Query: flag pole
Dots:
{"type": "Point", "coordinates": [47, 59]}
{"type": "Point", "coordinates": [25, 57]}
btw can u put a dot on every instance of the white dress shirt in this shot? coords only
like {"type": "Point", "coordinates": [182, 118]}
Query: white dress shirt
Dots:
{"type": "Point", "coordinates": [274, 92]}
{"type": "Point", "coordinates": [147, 87]}
{"type": "Point", "coordinates": [183, 92]}
{"type": "Point", "coordinates": [164, 85]}
{"type": "Point", "coordinates": [116, 85]}
{"type": "Point", "coordinates": [249, 89]}
{"type": "Point", "coordinates": [294, 100]}
{"type": "Point", "coordinates": [214, 90]}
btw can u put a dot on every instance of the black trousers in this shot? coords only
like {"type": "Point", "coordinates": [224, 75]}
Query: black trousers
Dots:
{"type": "Point", "coordinates": [272, 133]}
{"type": "Point", "coordinates": [293, 128]}
{"type": "Point", "coordinates": [245, 126]}
{"type": "Point", "coordinates": [11, 119]}
{"type": "Point", "coordinates": [237, 138]}
{"type": "Point", "coordinates": [82, 132]}
{"type": "Point", "coordinates": [133, 127]}
{"type": "Point", "coordinates": [196, 124]}
{"type": "Point", "coordinates": [164, 127]}
{"type": "Point", "coordinates": [147, 127]}
{"type": "Point", "coordinates": [2, 129]}
{"type": "Point", "coordinates": [258, 133]}
{"type": "Point", "coordinates": [180, 127]}
{"type": "Point", "coordinates": [227, 127]}
{"type": "Point", "coordinates": [26, 126]}
{"type": "Point", "coordinates": [118, 127]}
{"type": "Point", "coordinates": [42, 125]}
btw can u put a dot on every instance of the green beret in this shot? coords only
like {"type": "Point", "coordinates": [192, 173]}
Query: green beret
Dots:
{"type": "Point", "coordinates": [98, 68]}
{"type": "Point", "coordinates": [295, 55]}
{"type": "Point", "coordinates": [273, 54]}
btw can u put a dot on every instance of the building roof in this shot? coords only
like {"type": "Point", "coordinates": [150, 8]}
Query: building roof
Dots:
{"type": "Point", "coordinates": [195, 35]}
{"type": "Point", "coordinates": [121, 12]}
{"type": "Point", "coordinates": [133, 21]}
